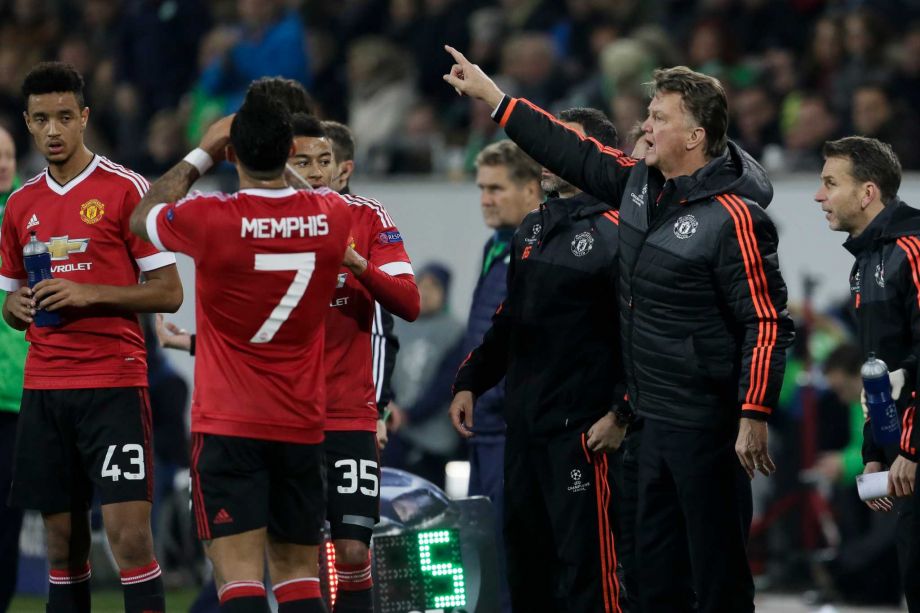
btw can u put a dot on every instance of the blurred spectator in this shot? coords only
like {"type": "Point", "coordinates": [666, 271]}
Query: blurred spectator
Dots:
{"type": "Point", "coordinates": [864, 568]}
{"type": "Point", "coordinates": [530, 15]}
{"type": "Point", "coordinates": [529, 62]}
{"type": "Point", "coordinates": [380, 93]}
{"type": "Point", "coordinates": [825, 55]}
{"type": "Point", "coordinates": [864, 40]}
{"type": "Point", "coordinates": [165, 144]}
{"type": "Point", "coordinates": [755, 120]}
{"type": "Point", "coordinates": [874, 115]}
{"type": "Point", "coordinates": [429, 355]}
{"type": "Point", "coordinates": [268, 41]}
{"type": "Point", "coordinates": [418, 148]}
{"type": "Point", "coordinates": [810, 124]}
{"type": "Point", "coordinates": [906, 81]}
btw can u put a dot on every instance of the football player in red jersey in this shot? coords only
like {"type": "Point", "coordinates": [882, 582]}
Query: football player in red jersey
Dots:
{"type": "Point", "coordinates": [267, 260]}
{"type": "Point", "coordinates": [376, 270]}
{"type": "Point", "coordinates": [85, 422]}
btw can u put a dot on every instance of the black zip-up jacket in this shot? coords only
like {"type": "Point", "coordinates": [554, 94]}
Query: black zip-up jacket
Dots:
{"type": "Point", "coordinates": [884, 282]}
{"type": "Point", "coordinates": [702, 301]}
{"type": "Point", "coordinates": [555, 337]}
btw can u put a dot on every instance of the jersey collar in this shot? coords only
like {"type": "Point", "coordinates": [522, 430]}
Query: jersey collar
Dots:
{"type": "Point", "coordinates": [59, 189]}
{"type": "Point", "coordinates": [283, 192]}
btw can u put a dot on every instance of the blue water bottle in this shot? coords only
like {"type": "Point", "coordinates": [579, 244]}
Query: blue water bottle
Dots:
{"type": "Point", "coordinates": [37, 260]}
{"type": "Point", "coordinates": [883, 415]}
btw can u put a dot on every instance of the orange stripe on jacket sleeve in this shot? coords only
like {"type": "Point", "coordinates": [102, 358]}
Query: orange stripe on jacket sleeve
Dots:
{"type": "Point", "coordinates": [756, 407]}
{"type": "Point", "coordinates": [911, 247]}
{"type": "Point", "coordinates": [757, 283]}
{"type": "Point", "coordinates": [621, 158]}
{"type": "Point", "coordinates": [507, 114]}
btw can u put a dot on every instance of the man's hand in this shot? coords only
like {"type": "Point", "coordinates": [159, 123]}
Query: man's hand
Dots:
{"type": "Point", "coordinates": [54, 294]}
{"type": "Point", "coordinates": [216, 138]}
{"type": "Point", "coordinates": [171, 336]}
{"type": "Point", "coordinates": [882, 505]}
{"type": "Point", "coordinates": [605, 436]}
{"type": "Point", "coordinates": [397, 417]}
{"type": "Point", "coordinates": [354, 262]}
{"type": "Point", "coordinates": [897, 379]}
{"type": "Point", "coordinates": [381, 435]}
{"type": "Point", "coordinates": [901, 477]}
{"type": "Point", "coordinates": [469, 79]}
{"type": "Point", "coordinates": [751, 447]}
{"type": "Point", "coordinates": [461, 413]}
{"type": "Point", "coordinates": [20, 305]}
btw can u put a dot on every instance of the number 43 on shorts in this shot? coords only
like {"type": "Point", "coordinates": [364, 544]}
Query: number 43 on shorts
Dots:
{"type": "Point", "coordinates": [135, 455]}
{"type": "Point", "coordinates": [368, 474]}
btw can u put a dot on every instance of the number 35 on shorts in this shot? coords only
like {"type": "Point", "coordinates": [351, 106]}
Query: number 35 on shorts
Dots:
{"type": "Point", "coordinates": [131, 453]}
{"type": "Point", "coordinates": [369, 484]}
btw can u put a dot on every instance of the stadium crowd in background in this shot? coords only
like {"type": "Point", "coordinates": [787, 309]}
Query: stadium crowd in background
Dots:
{"type": "Point", "coordinates": [798, 72]}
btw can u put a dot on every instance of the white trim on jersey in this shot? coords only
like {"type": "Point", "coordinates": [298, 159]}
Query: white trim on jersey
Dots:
{"type": "Point", "coordinates": [11, 285]}
{"type": "Point", "coordinates": [157, 260]}
{"type": "Point", "coordinates": [378, 351]}
{"type": "Point", "coordinates": [139, 182]}
{"type": "Point", "coordinates": [269, 193]}
{"type": "Point", "coordinates": [60, 190]}
{"type": "Point", "coordinates": [398, 268]}
{"type": "Point", "coordinates": [152, 227]}
{"type": "Point", "coordinates": [370, 203]}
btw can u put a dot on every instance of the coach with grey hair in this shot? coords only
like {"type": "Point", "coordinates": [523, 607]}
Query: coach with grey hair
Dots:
{"type": "Point", "coordinates": [703, 322]}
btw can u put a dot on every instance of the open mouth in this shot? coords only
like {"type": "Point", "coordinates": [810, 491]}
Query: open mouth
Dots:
{"type": "Point", "coordinates": [55, 148]}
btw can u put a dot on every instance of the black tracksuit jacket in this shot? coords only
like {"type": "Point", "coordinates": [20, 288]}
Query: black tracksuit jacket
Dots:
{"type": "Point", "coordinates": [884, 283]}
{"type": "Point", "coordinates": [555, 338]}
{"type": "Point", "coordinates": [702, 302]}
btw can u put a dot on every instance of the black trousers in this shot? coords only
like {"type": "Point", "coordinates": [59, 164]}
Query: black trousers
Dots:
{"type": "Point", "coordinates": [626, 471]}
{"type": "Point", "coordinates": [10, 517]}
{"type": "Point", "coordinates": [558, 520]}
{"type": "Point", "coordinates": [694, 516]}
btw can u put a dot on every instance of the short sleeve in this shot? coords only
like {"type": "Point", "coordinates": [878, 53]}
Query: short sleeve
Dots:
{"type": "Point", "coordinates": [12, 273]}
{"type": "Point", "coordinates": [147, 256]}
{"type": "Point", "coordinates": [180, 226]}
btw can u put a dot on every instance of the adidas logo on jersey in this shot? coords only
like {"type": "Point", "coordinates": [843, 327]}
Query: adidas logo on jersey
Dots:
{"type": "Point", "coordinates": [223, 517]}
{"type": "Point", "coordinates": [33, 221]}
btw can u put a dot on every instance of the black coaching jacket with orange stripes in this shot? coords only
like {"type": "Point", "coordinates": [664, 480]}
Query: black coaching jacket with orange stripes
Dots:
{"type": "Point", "coordinates": [555, 338]}
{"type": "Point", "coordinates": [885, 284]}
{"type": "Point", "coordinates": [702, 302]}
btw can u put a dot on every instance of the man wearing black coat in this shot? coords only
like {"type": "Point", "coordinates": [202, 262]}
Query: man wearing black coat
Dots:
{"type": "Point", "coordinates": [703, 317]}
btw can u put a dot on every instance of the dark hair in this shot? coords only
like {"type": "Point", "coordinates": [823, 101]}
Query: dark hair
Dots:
{"type": "Point", "coordinates": [288, 92]}
{"type": "Point", "coordinates": [48, 77]}
{"type": "Point", "coordinates": [343, 141]}
{"type": "Point", "coordinates": [261, 136]}
{"type": "Point", "coordinates": [870, 160]}
{"type": "Point", "coordinates": [521, 167]}
{"type": "Point", "coordinates": [307, 125]}
{"type": "Point", "coordinates": [846, 358]}
{"type": "Point", "coordinates": [595, 123]}
{"type": "Point", "coordinates": [704, 99]}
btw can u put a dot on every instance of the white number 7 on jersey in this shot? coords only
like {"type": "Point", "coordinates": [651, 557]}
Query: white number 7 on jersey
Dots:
{"type": "Point", "coordinates": [303, 263]}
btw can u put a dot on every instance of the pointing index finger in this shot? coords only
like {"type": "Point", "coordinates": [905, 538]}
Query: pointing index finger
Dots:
{"type": "Point", "coordinates": [458, 57]}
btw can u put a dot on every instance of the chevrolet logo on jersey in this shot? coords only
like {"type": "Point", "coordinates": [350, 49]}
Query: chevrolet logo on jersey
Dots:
{"type": "Point", "coordinates": [61, 247]}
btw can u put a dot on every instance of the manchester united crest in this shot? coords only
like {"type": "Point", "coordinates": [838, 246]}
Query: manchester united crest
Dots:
{"type": "Point", "coordinates": [582, 244]}
{"type": "Point", "coordinates": [685, 227]}
{"type": "Point", "coordinates": [92, 211]}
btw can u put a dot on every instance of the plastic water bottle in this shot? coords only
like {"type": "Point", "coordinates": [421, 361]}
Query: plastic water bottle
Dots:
{"type": "Point", "coordinates": [883, 415]}
{"type": "Point", "coordinates": [37, 261]}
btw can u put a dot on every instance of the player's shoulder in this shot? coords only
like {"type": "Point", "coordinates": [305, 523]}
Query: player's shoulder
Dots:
{"type": "Point", "coordinates": [34, 187]}
{"type": "Point", "coordinates": [369, 208]}
{"type": "Point", "coordinates": [120, 175]}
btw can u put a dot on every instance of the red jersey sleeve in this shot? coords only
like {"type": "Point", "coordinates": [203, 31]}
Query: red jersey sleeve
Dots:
{"type": "Point", "coordinates": [389, 276]}
{"type": "Point", "coordinates": [181, 226]}
{"type": "Point", "coordinates": [12, 272]}
{"type": "Point", "coordinates": [147, 256]}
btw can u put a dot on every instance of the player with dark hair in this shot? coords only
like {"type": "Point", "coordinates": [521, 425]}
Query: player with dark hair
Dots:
{"type": "Point", "coordinates": [377, 275]}
{"type": "Point", "coordinates": [290, 93]}
{"type": "Point", "coordinates": [343, 145]}
{"type": "Point", "coordinates": [85, 421]}
{"type": "Point", "coordinates": [259, 402]}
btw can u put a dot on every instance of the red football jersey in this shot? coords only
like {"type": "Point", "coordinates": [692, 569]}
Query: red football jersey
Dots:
{"type": "Point", "coordinates": [351, 402]}
{"type": "Point", "coordinates": [266, 263]}
{"type": "Point", "coordinates": [85, 224]}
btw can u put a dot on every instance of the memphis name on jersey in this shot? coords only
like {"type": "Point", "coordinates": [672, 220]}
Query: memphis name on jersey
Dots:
{"type": "Point", "coordinates": [286, 227]}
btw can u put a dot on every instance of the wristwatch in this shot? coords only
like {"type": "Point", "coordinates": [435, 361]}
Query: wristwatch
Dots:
{"type": "Point", "coordinates": [624, 415]}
